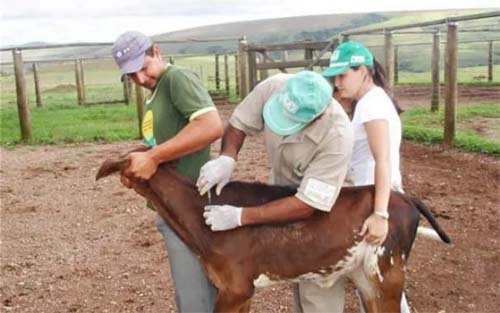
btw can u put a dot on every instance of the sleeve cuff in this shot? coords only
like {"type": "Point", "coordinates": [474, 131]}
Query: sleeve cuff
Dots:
{"type": "Point", "coordinates": [374, 118]}
{"type": "Point", "coordinates": [236, 123]}
{"type": "Point", "coordinates": [201, 112]}
{"type": "Point", "coordinates": [314, 204]}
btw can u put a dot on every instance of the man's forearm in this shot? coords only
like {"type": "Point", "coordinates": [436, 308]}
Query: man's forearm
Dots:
{"type": "Point", "coordinates": [279, 211]}
{"type": "Point", "coordinates": [232, 141]}
{"type": "Point", "coordinates": [195, 136]}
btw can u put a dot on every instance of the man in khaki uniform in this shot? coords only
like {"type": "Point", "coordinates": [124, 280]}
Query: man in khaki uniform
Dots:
{"type": "Point", "coordinates": [308, 140]}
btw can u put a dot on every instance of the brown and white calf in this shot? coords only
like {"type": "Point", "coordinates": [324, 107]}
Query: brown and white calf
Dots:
{"type": "Point", "coordinates": [322, 248]}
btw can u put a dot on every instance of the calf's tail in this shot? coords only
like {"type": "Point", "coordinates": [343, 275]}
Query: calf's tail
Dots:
{"type": "Point", "coordinates": [425, 231]}
{"type": "Point", "coordinates": [111, 166]}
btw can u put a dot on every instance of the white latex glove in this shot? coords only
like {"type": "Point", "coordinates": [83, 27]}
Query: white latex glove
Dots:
{"type": "Point", "coordinates": [215, 172]}
{"type": "Point", "coordinates": [222, 217]}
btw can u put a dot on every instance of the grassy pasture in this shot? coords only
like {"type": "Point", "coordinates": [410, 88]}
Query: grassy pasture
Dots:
{"type": "Point", "coordinates": [423, 126]}
{"type": "Point", "coordinates": [61, 120]}
{"type": "Point", "coordinates": [102, 80]}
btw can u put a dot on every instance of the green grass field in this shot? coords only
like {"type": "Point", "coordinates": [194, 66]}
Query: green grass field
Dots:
{"type": "Point", "coordinates": [55, 124]}
{"type": "Point", "coordinates": [62, 124]}
{"type": "Point", "coordinates": [424, 126]}
{"type": "Point", "coordinates": [62, 120]}
{"type": "Point", "coordinates": [103, 75]}
{"type": "Point", "coordinates": [102, 80]}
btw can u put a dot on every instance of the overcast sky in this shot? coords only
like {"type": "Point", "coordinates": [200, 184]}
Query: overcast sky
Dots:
{"type": "Point", "coordinates": [58, 21]}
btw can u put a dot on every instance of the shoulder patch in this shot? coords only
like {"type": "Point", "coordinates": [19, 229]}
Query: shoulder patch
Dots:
{"type": "Point", "coordinates": [320, 192]}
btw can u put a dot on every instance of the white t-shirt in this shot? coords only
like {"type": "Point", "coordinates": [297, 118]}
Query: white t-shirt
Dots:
{"type": "Point", "coordinates": [374, 105]}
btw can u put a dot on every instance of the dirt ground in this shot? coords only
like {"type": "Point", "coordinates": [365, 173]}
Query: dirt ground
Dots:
{"type": "Point", "coordinates": [420, 96]}
{"type": "Point", "coordinates": [69, 244]}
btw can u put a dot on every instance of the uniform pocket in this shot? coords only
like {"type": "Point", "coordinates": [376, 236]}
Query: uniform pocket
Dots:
{"type": "Point", "coordinates": [299, 169]}
{"type": "Point", "coordinates": [296, 157]}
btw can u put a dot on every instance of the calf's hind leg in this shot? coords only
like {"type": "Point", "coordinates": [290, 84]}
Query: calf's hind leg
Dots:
{"type": "Point", "coordinates": [381, 295]}
{"type": "Point", "coordinates": [229, 301]}
{"type": "Point", "coordinates": [245, 308]}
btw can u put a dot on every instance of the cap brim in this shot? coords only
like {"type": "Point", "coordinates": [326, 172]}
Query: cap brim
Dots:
{"type": "Point", "coordinates": [277, 121]}
{"type": "Point", "coordinates": [334, 71]}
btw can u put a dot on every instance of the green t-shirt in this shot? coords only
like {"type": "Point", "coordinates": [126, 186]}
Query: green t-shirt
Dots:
{"type": "Point", "coordinates": [178, 98]}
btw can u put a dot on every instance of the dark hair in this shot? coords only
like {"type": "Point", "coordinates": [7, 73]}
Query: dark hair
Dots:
{"type": "Point", "coordinates": [353, 102]}
{"type": "Point", "coordinates": [149, 51]}
{"type": "Point", "coordinates": [377, 73]}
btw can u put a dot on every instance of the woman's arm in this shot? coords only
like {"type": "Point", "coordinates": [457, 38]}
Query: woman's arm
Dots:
{"type": "Point", "coordinates": [378, 139]}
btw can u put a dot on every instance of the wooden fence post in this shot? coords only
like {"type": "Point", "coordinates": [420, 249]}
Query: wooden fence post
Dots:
{"type": "Point", "coordinates": [445, 72]}
{"type": "Point", "coordinates": [37, 86]}
{"type": "Point", "coordinates": [126, 93]}
{"type": "Point", "coordinates": [263, 74]}
{"type": "Point", "coordinates": [139, 96]}
{"type": "Point", "coordinates": [490, 61]}
{"type": "Point", "coordinates": [217, 77]}
{"type": "Point", "coordinates": [284, 56]}
{"type": "Point", "coordinates": [243, 67]}
{"type": "Point", "coordinates": [78, 78]}
{"type": "Point", "coordinates": [82, 80]}
{"type": "Point", "coordinates": [252, 70]}
{"type": "Point", "coordinates": [308, 55]}
{"type": "Point", "coordinates": [202, 77]}
{"type": "Point", "coordinates": [236, 75]}
{"type": "Point", "coordinates": [23, 109]}
{"type": "Point", "coordinates": [396, 65]}
{"type": "Point", "coordinates": [389, 59]}
{"type": "Point", "coordinates": [451, 86]}
{"type": "Point", "coordinates": [435, 73]}
{"type": "Point", "coordinates": [226, 74]}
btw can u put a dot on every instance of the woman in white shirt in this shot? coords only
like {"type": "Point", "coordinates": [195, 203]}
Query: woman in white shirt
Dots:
{"type": "Point", "coordinates": [377, 132]}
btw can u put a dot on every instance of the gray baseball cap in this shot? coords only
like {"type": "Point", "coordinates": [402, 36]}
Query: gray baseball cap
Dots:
{"type": "Point", "coordinates": [129, 50]}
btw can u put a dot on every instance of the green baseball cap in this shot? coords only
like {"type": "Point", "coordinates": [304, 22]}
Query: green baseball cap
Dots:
{"type": "Point", "coordinates": [303, 98]}
{"type": "Point", "coordinates": [348, 54]}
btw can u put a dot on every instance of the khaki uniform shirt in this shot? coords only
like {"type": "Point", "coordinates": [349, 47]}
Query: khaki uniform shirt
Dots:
{"type": "Point", "coordinates": [315, 159]}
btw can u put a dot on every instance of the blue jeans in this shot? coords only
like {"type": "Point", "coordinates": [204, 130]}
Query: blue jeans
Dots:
{"type": "Point", "coordinates": [194, 293]}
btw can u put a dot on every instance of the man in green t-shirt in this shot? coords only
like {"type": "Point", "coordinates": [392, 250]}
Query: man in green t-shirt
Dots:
{"type": "Point", "coordinates": [180, 122]}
